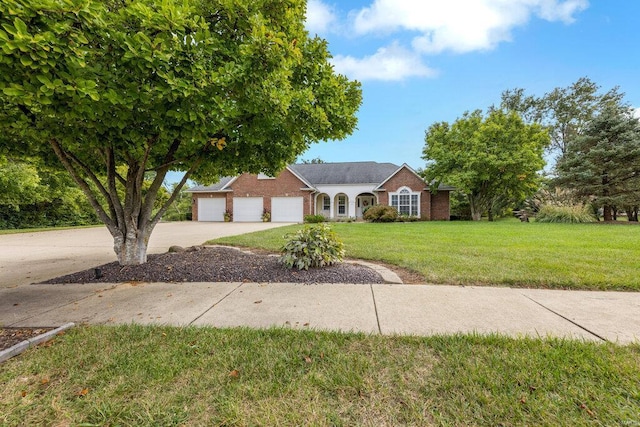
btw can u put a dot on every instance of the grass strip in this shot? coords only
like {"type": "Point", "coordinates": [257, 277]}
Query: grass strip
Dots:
{"type": "Point", "coordinates": [151, 375]}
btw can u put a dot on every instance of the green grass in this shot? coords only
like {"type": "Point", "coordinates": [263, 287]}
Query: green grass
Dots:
{"type": "Point", "coordinates": [565, 256]}
{"type": "Point", "coordinates": [39, 229]}
{"type": "Point", "coordinates": [143, 375]}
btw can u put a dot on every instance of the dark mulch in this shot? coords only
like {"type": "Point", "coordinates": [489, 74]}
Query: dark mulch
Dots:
{"type": "Point", "coordinates": [219, 264]}
{"type": "Point", "coordinates": [12, 336]}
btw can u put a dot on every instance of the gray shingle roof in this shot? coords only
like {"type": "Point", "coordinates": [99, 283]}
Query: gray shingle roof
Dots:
{"type": "Point", "coordinates": [213, 187]}
{"type": "Point", "coordinates": [345, 173]}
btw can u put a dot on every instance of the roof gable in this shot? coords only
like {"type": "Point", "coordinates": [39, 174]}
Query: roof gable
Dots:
{"type": "Point", "coordinates": [394, 173]}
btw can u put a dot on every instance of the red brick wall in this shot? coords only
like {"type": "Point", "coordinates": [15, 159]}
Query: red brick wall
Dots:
{"type": "Point", "coordinates": [440, 206]}
{"type": "Point", "coordinates": [406, 178]}
{"type": "Point", "coordinates": [285, 184]}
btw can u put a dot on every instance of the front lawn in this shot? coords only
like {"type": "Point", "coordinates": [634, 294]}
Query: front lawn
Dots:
{"type": "Point", "coordinates": [146, 376]}
{"type": "Point", "coordinates": [566, 256]}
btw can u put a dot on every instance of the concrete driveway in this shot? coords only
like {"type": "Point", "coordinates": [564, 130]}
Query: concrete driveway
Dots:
{"type": "Point", "coordinates": [33, 257]}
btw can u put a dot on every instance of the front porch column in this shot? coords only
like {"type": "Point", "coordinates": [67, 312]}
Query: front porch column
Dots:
{"type": "Point", "coordinates": [351, 207]}
{"type": "Point", "coordinates": [331, 206]}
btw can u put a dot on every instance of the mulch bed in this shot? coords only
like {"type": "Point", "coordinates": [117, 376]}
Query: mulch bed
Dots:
{"type": "Point", "coordinates": [11, 336]}
{"type": "Point", "coordinates": [219, 264]}
{"type": "Point", "coordinates": [208, 264]}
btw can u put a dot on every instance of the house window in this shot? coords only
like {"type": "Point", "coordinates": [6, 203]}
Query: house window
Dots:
{"type": "Point", "coordinates": [406, 202]}
{"type": "Point", "coordinates": [342, 205]}
{"type": "Point", "coordinates": [326, 203]}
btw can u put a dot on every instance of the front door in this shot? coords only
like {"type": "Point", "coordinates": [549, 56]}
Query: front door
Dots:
{"type": "Point", "coordinates": [362, 203]}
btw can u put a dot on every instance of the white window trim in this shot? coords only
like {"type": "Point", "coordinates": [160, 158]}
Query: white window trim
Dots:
{"type": "Point", "coordinates": [326, 206]}
{"type": "Point", "coordinates": [411, 193]}
{"type": "Point", "coordinates": [339, 205]}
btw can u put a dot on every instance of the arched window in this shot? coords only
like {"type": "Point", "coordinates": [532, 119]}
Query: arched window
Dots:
{"type": "Point", "coordinates": [407, 202]}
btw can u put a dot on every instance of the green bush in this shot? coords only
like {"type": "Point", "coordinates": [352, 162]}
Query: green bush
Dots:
{"type": "Point", "coordinates": [312, 246]}
{"type": "Point", "coordinates": [408, 218]}
{"type": "Point", "coordinates": [381, 213]}
{"type": "Point", "coordinates": [564, 214]}
{"type": "Point", "coordinates": [314, 219]}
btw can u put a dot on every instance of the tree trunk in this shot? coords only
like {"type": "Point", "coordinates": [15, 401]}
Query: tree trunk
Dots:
{"type": "Point", "coordinates": [477, 207]}
{"type": "Point", "coordinates": [606, 213]}
{"type": "Point", "coordinates": [131, 247]}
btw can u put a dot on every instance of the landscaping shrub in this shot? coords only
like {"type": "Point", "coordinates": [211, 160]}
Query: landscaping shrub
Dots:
{"type": "Point", "coordinates": [564, 214]}
{"type": "Point", "coordinates": [314, 219]}
{"type": "Point", "coordinates": [408, 218]}
{"type": "Point", "coordinates": [313, 246]}
{"type": "Point", "coordinates": [381, 213]}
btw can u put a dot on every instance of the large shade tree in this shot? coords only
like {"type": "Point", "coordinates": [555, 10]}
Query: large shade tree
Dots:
{"type": "Point", "coordinates": [603, 164]}
{"type": "Point", "coordinates": [493, 160]}
{"type": "Point", "coordinates": [565, 111]}
{"type": "Point", "coordinates": [120, 90]}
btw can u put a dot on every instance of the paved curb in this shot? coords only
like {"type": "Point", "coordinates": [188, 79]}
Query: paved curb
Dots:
{"type": "Point", "coordinates": [387, 275]}
{"type": "Point", "coordinates": [22, 346]}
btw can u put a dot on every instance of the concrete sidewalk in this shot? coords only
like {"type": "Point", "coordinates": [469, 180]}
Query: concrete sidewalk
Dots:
{"type": "Point", "coordinates": [386, 309]}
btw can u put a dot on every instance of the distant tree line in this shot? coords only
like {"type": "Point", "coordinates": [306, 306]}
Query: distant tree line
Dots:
{"type": "Point", "coordinates": [495, 159]}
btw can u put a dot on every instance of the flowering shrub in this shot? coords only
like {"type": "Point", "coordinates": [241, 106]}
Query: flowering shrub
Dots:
{"type": "Point", "coordinates": [312, 246]}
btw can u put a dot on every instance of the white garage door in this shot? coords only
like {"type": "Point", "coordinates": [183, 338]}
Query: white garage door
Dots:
{"type": "Point", "coordinates": [247, 209]}
{"type": "Point", "coordinates": [287, 209]}
{"type": "Point", "coordinates": [211, 209]}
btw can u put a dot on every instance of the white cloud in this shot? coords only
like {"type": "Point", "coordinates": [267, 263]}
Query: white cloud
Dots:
{"type": "Point", "coordinates": [459, 25]}
{"type": "Point", "coordinates": [388, 63]}
{"type": "Point", "coordinates": [319, 16]}
{"type": "Point", "coordinates": [636, 112]}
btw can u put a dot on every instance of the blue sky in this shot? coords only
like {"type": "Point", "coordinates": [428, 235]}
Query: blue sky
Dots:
{"type": "Point", "coordinates": [425, 61]}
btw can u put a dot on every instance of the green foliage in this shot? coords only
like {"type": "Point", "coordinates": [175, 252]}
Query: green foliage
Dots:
{"type": "Point", "coordinates": [564, 112]}
{"type": "Point", "coordinates": [117, 90]}
{"type": "Point", "coordinates": [380, 213]}
{"type": "Point", "coordinates": [565, 214]}
{"type": "Point", "coordinates": [408, 218]}
{"type": "Point", "coordinates": [180, 209]}
{"type": "Point", "coordinates": [314, 219]}
{"type": "Point", "coordinates": [33, 195]}
{"type": "Point", "coordinates": [493, 160]}
{"type": "Point", "coordinates": [312, 246]}
{"type": "Point", "coordinates": [603, 165]}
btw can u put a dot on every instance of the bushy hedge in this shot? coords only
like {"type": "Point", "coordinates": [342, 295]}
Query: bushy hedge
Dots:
{"type": "Point", "coordinates": [564, 214]}
{"type": "Point", "coordinates": [312, 246]}
{"type": "Point", "coordinates": [314, 219]}
{"type": "Point", "coordinates": [380, 213]}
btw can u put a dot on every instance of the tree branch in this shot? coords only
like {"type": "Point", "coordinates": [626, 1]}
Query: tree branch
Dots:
{"type": "Point", "coordinates": [176, 191]}
{"type": "Point", "coordinates": [84, 186]}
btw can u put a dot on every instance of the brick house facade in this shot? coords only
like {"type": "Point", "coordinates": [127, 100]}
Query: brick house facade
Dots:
{"type": "Point", "coordinates": [334, 190]}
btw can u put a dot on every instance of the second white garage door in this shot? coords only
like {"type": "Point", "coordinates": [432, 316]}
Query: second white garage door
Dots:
{"type": "Point", "coordinates": [247, 209]}
{"type": "Point", "coordinates": [287, 209]}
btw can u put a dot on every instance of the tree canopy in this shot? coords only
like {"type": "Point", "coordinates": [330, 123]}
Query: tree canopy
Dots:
{"type": "Point", "coordinates": [565, 112]}
{"type": "Point", "coordinates": [494, 159]}
{"type": "Point", "coordinates": [119, 90]}
{"type": "Point", "coordinates": [602, 165]}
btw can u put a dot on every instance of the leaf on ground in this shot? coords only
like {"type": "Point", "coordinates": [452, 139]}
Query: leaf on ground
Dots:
{"type": "Point", "coordinates": [44, 381]}
{"type": "Point", "coordinates": [234, 374]}
{"type": "Point", "coordinates": [257, 302]}
{"type": "Point", "coordinates": [588, 411]}
{"type": "Point", "coordinates": [82, 392]}
{"type": "Point", "coordinates": [308, 359]}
